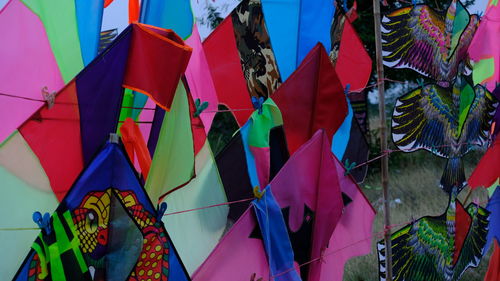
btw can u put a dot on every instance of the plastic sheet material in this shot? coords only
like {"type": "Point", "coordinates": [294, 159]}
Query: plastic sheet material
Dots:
{"type": "Point", "coordinates": [200, 81]}
{"type": "Point", "coordinates": [484, 49]}
{"type": "Point", "coordinates": [54, 135]}
{"type": "Point", "coordinates": [487, 171]}
{"type": "Point", "coordinates": [353, 234]}
{"type": "Point", "coordinates": [136, 146]}
{"type": "Point", "coordinates": [60, 22]}
{"type": "Point", "coordinates": [173, 164]}
{"type": "Point", "coordinates": [197, 233]}
{"type": "Point", "coordinates": [107, 192]}
{"type": "Point", "coordinates": [309, 97]}
{"type": "Point", "coordinates": [155, 51]}
{"type": "Point", "coordinates": [36, 67]}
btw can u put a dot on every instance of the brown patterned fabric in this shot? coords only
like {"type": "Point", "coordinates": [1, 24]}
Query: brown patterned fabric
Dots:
{"type": "Point", "coordinates": [254, 47]}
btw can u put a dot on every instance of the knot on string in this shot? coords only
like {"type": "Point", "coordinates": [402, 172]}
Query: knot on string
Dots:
{"type": "Point", "coordinates": [257, 193]}
{"type": "Point", "coordinates": [387, 229]}
{"type": "Point", "coordinates": [388, 151]}
{"type": "Point", "coordinates": [43, 222]}
{"type": "Point", "coordinates": [322, 255]}
{"type": "Point", "coordinates": [199, 107]}
{"type": "Point", "coordinates": [162, 208]}
{"type": "Point", "coordinates": [48, 97]}
{"type": "Point", "coordinates": [257, 103]}
{"type": "Point", "coordinates": [348, 167]}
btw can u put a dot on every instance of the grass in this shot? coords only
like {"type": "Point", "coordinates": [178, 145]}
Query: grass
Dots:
{"type": "Point", "coordinates": [414, 180]}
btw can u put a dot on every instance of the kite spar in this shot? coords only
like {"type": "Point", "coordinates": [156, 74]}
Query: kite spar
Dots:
{"type": "Point", "coordinates": [383, 140]}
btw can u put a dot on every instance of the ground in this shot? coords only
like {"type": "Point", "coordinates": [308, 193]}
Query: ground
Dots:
{"type": "Point", "coordinates": [414, 180]}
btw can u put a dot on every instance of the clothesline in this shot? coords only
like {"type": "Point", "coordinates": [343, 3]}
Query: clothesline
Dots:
{"type": "Point", "coordinates": [166, 214]}
{"type": "Point", "coordinates": [207, 111]}
{"type": "Point", "coordinates": [208, 207]}
{"type": "Point", "coordinates": [378, 235]}
{"type": "Point", "coordinates": [389, 151]}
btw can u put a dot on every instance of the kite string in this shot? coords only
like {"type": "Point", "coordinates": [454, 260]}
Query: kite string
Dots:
{"type": "Point", "coordinates": [249, 199]}
{"type": "Point", "coordinates": [208, 111]}
{"type": "Point", "coordinates": [389, 151]}
{"type": "Point", "coordinates": [322, 255]}
{"type": "Point", "coordinates": [210, 206]}
{"type": "Point", "coordinates": [378, 235]}
{"type": "Point", "coordinates": [167, 214]}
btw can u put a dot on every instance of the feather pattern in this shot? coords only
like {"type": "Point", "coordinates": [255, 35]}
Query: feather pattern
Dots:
{"type": "Point", "coordinates": [424, 249]}
{"type": "Point", "coordinates": [430, 118]}
{"type": "Point", "coordinates": [420, 38]}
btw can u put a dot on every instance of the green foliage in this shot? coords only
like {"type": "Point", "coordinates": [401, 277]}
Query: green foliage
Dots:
{"type": "Point", "coordinates": [222, 130]}
{"type": "Point", "coordinates": [214, 17]}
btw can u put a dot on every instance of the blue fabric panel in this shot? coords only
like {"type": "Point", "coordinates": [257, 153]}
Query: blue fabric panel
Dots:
{"type": "Point", "coordinates": [89, 19]}
{"type": "Point", "coordinates": [154, 132]}
{"type": "Point", "coordinates": [341, 137]}
{"type": "Point", "coordinates": [276, 240]}
{"type": "Point", "coordinates": [176, 270]}
{"type": "Point", "coordinates": [494, 226]}
{"type": "Point", "coordinates": [110, 168]}
{"type": "Point", "coordinates": [252, 167]}
{"type": "Point", "coordinates": [139, 102]}
{"type": "Point", "coordinates": [22, 274]}
{"type": "Point", "coordinates": [314, 26]}
{"type": "Point", "coordinates": [282, 22]}
{"type": "Point", "coordinates": [171, 14]}
{"type": "Point", "coordinates": [100, 93]}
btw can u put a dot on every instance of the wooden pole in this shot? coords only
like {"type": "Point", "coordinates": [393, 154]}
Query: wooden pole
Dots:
{"type": "Point", "coordinates": [383, 140]}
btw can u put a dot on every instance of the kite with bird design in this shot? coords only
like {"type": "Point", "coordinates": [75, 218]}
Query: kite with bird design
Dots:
{"type": "Point", "coordinates": [438, 248]}
{"type": "Point", "coordinates": [430, 42]}
{"type": "Point", "coordinates": [445, 122]}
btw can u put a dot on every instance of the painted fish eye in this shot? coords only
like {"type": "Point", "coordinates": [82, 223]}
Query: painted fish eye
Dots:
{"type": "Point", "coordinates": [91, 222]}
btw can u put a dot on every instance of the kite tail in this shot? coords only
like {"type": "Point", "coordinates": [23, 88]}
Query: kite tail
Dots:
{"type": "Point", "coordinates": [453, 175]}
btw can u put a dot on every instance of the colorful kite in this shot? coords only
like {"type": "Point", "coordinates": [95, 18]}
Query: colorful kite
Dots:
{"type": "Point", "coordinates": [233, 169]}
{"type": "Point", "coordinates": [105, 228]}
{"type": "Point", "coordinates": [348, 54]}
{"type": "Point", "coordinates": [487, 171]}
{"type": "Point", "coordinates": [484, 49]}
{"type": "Point", "coordinates": [447, 123]}
{"type": "Point", "coordinates": [312, 98]}
{"type": "Point", "coordinates": [52, 146]}
{"type": "Point", "coordinates": [347, 50]}
{"type": "Point", "coordinates": [494, 226]}
{"type": "Point", "coordinates": [241, 60]}
{"type": "Point", "coordinates": [197, 233]}
{"type": "Point", "coordinates": [307, 190]}
{"type": "Point", "coordinates": [493, 273]}
{"type": "Point", "coordinates": [438, 248]}
{"type": "Point", "coordinates": [66, 36]}
{"type": "Point", "coordinates": [430, 42]}
{"type": "Point", "coordinates": [353, 233]}
{"type": "Point", "coordinates": [85, 111]}
{"type": "Point", "coordinates": [306, 24]}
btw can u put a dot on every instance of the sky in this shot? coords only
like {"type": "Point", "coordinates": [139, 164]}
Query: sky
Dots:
{"type": "Point", "coordinates": [115, 15]}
